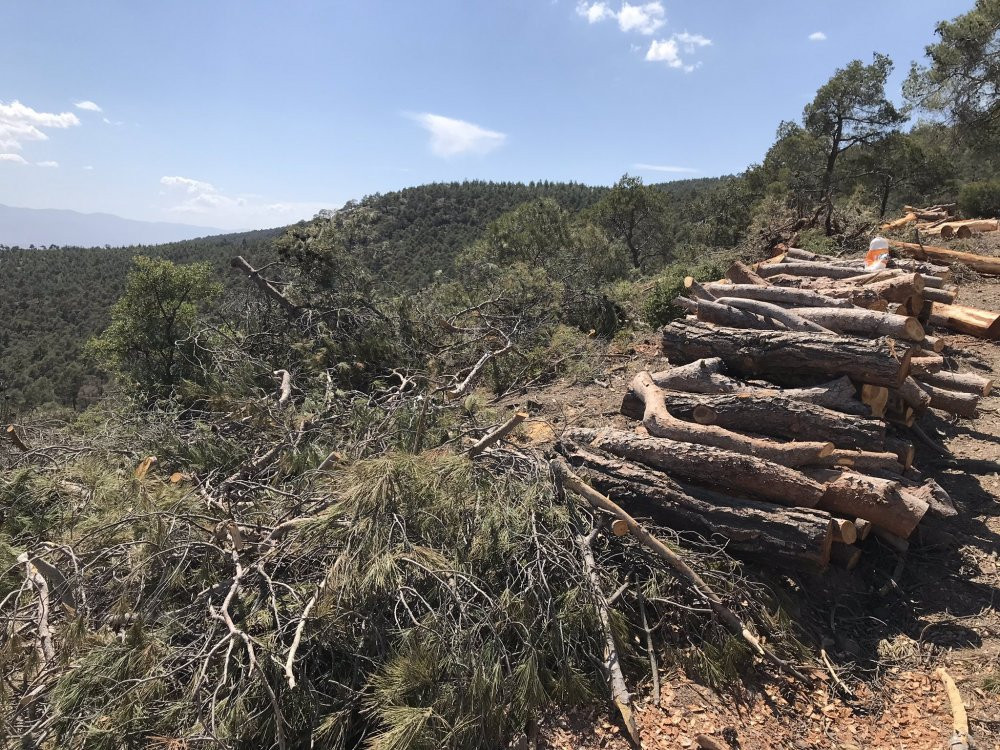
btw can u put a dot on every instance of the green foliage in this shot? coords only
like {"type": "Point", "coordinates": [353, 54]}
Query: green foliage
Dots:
{"type": "Point", "coordinates": [632, 214]}
{"type": "Point", "coordinates": [962, 79]}
{"type": "Point", "coordinates": [150, 343]}
{"type": "Point", "coordinates": [980, 199]}
{"type": "Point", "coordinates": [659, 308]}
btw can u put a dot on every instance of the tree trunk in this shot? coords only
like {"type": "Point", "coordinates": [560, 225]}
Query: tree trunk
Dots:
{"type": "Point", "coordinates": [965, 382]}
{"type": "Point", "coordinates": [769, 414]}
{"type": "Point", "coordinates": [721, 314]}
{"type": "Point", "coordinates": [782, 355]}
{"type": "Point", "coordinates": [660, 423]}
{"type": "Point", "coordinates": [877, 500]}
{"type": "Point", "coordinates": [705, 465]}
{"type": "Point", "coordinates": [868, 322]}
{"type": "Point", "coordinates": [788, 318]}
{"type": "Point", "coordinates": [808, 268]}
{"type": "Point", "coordinates": [787, 536]}
{"type": "Point", "coordinates": [779, 295]}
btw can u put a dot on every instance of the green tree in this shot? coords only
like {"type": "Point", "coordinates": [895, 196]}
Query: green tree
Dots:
{"type": "Point", "coordinates": [899, 164]}
{"type": "Point", "coordinates": [962, 80]}
{"type": "Point", "coordinates": [850, 110]}
{"type": "Point", "coordinates": [632, 213]}
{"type": "Point", "coordinates": [148, 345]}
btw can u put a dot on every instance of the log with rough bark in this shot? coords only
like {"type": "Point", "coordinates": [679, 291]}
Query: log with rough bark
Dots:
{"type": "Point", "coordinates": [926, 364]}
{"type": "Point", "coordinates": [873, 295]}
{"type": "Point", "coordinates": [728, 471]}
{"type": "Point", "coordinates": [790, 536]}
{"type": "Point", "coordinates": [965, 382]}
{"type": "Point", "coordinates": [965, 229]}
{"type": "Point", "coordinates": [953, 402]}
{"type": "Point", "coordinates": [788, 318]}
{"type": "Point", "coordinates": [866, 461]}
{"type": "Point", "coordinates": [778, 295]}
{"type": "Point", "coordinates": [740, 273]}
{"type": "Point", "coordinates": [771, 414]}
{"type": "Point", "coordinates": [784, 355]}
{"type": "Point", "coordinates": [904, 450]}
{"type": "Point", "coordinates": [980, 263]}
{"type": "Point", "coordinates": [720, 314]}
{"type": "Point", "coordinates": [880, 501]}
{"type": "Point", "coordinates": [971, 320]}
{"type": "Point", "coordinates": [660, 423]}
{"type": "Point", "coordinates": [705, 376]}
{"type": "Point", "coordinates": [916, 397]}
{"type": "Point", "coordinates": [696, 289]}
{"type": "Point", "coordinates": [808, 268]}
{"type": "Point", "coordinates": [944, 296]}
{"type": "Point", "coordinates": [869, 322]}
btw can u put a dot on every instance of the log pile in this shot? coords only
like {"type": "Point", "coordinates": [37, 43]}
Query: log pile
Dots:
{"type": "Point", "coordinates": [784, 425]}
{"type": "Point", "coordinates": [940, 221]}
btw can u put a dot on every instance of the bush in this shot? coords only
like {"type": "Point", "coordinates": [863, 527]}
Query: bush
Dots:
{"type": "Point", "coordinates": [980, 199]}
{"type": "Point", "coordinates": [658, 308]}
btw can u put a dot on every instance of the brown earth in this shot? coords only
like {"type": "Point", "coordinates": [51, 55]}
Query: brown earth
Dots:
{"type": "Point", "coordinates": [944, 612]}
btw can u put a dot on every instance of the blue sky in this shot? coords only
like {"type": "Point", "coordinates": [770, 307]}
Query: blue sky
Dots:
{"type": "Point", "coordinates": [250, 114]}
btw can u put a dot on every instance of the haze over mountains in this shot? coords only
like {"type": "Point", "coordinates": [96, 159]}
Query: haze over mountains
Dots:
{"type": "Point", "coordinates": [42, 227]}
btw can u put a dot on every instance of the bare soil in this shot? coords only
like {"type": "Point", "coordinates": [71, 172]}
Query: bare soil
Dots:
{"type": "Point", "coordinates": [943, 611]}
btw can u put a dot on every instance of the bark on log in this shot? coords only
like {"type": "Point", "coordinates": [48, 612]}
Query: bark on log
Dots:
{"type": "Point", "coordinates": [866, 462]}
{"type": "Point", "coordinates": [740, 273]}
{"type": "Point", "coordinates": [780, 355]}
{"type": "Point", "coordinates": [945, 296]}
{"type": "Point", "coordinates": [971, 320]}
{"type": "Point", "coordinates": [770, 414]}
{"type": "Point", "coordinates": [731, 472]}
{"type": "Point", "coordinates": [788, 536]}
{"type": "Point", "coordinates": [789, 318]}
{"type": "Point", "coordinates": [954, 402]}
{"type": "Point", "coordinates": [880, 501]}
{"type": "Point", "coordinates": [924, 365]}
{"type": "Point", "coordinates": [16, 439]}
{"type": "Point", "coordinates": [808, 268]}
{"type": "Point", "coordinates": [980, 263]}
{"type": "Point", "coordinates": [720, 314]}
{"type": "Point", "coordinates": [965, 382]}
{"type": "Point", "coordinates": [778, 295]}
{"type": "Point", "coordinates": [696, 289]}
{"type": "Point", "coordinates": [904, 450]}
{"type": "Point", "coordinates": [914, 395]}
{"type": "Point", "coordinates": [705, 376]}
{"type": "Point", "coordinates": [868, 322]}
{"type": "Point", "coordinates": [895, 289]}
{"type": "Point", "coordinates": [660, 423]}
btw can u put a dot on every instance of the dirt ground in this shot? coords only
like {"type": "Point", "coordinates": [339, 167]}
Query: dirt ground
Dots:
{"type": "Point", "coordinates": [885, 640]}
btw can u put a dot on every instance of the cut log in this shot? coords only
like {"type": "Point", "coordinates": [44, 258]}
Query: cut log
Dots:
{"type": "Point", "coordinates": [701, 376]}
{"type": "Point", "coordinates": [808, 268]}
{"type": "Point", "coordinates": [904, 450]}
{"type": "Point", "coordinates": [965, 382]}
{"type": "Point", "coordinates": [953, 402]}
{"type": "Point", "coordinates": [880, 501]}
{"type": "Point", "coordinates": [971, 320]}
{"type": "Point", "coordinates": [16, 439]}
{"type": "Point", "coordinates": [783, 355]}
{"type": "Point", "coordinates": [771, 414]}
{"type": "Point", "coordinates": [899, 223]}
{"type": "Point", "coordinates": [797, 253]}
{"type": "Point", "coordinates": [945, 296]}
{"type": "Point", "coordinates": [864, 528]}
{"type": "Point", "coordinates": [895, 289]}
{"type": "Point", "coordinates": [845, 556]}
{"type": "Point", "coordinates": [789, 536]}
{"type": "Point", "coordinates": [660, 423]}
{"type": "Point", "coordinates": [731, 472]}
{"type": "Point", "coordinates": [980, 263]}
{"type": "Point", "coordinates": [844, 531]}
{"type": "Point", "coordinates": [740, 273]}
{"type": "Point", "coordinates": [868, 322]}
{"type": "Point", "coordinates": [924, 365]}
{"type": "Point", "coordinates": [696, 289]}
{"type": "Point", "coordinates": [716, 313]}
{"type": "Point", "coordinates": [779, 295]}
{"type": "Point", "coordinates": [933, 343]}
{"type": "Point", "coordinates": [866, 462]}
{"type": "Point", "coordinates": [914, 396]}
{"type": "Point", "coordinates": [875, 397]}
{"type": "Point", "coordinates": [790, 319]}
{"type": "Point", "coordinates": [964, 229]}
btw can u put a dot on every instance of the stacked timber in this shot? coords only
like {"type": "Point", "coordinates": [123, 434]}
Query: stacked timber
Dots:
{"type": "Point", "coordinates": [782, 426]}
{"type": "Point", "coordinates": [940, 221]}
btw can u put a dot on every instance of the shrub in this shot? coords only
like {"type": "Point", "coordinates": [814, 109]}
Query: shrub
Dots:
{"type": "Point", "coordinates": [980, 199]}
{"type": "Point", "coordinates": [658, 308]}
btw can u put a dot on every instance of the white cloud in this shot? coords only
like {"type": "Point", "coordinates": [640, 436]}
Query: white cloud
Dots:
{"type": "Point", "coordinates": [50, 164]}
{"type": "Point", "coordinates": [594, 12]}
{"type": "Point", "coordinates": [817, 36]}
{"type": "Point", "coordinates": [669, 50]}
{"type": "Point", "coordinates": [88, 105]}
{"type": "Point", "coordinates": [665, 168]}
{"type": "Point", "coordinates": [15, 158]}
{"type": "Point", "coordinates": [644, 19]}
{"type": "Point", "coordinates": [19, 123]}
{"type": "Point", "coordinates": [201, 200]}
{"type": "Point", "coordinates": [88, 168]}
{"type": "Point", "coordinates": [112, 122]}
{"type": "Point", "coordinates": [451, 137]}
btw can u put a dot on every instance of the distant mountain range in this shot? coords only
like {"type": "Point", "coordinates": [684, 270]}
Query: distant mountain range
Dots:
{"type": "Point", "coordinates": [42, 227]}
